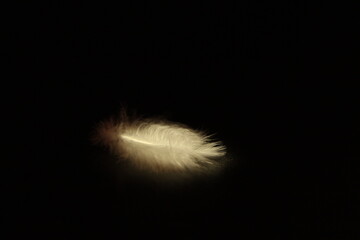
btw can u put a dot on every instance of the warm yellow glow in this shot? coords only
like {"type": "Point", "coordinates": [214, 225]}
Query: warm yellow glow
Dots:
{"type": "Point", "coordinates": [136, 140]}
{"type": "Point", "coordinates": [161, 147]}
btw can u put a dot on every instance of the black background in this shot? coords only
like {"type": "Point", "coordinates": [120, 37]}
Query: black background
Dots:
{"type": "Point", "coordinates": [274, 80]}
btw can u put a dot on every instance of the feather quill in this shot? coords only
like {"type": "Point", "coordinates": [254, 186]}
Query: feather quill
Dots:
{"type": "Point", "coordinates": [160, 146]}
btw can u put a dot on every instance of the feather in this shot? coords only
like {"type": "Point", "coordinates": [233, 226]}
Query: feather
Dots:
{"type": "Point", "coordinates": [159, 146]}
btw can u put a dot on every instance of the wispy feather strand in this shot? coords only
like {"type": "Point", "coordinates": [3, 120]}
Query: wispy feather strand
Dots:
{"type": "Point", "coordinates": [159, 146]}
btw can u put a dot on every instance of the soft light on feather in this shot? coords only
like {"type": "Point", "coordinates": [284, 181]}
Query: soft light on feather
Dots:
{"type": "Point", "coordinates": [160, 147]}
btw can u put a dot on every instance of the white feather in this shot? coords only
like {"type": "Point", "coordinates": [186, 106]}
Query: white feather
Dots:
{"type": "Point", "coordinates": [159, 146]}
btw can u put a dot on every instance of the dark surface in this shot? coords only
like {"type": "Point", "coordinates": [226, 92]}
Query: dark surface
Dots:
{"type": "Point", "coordinates": [273, 80]}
